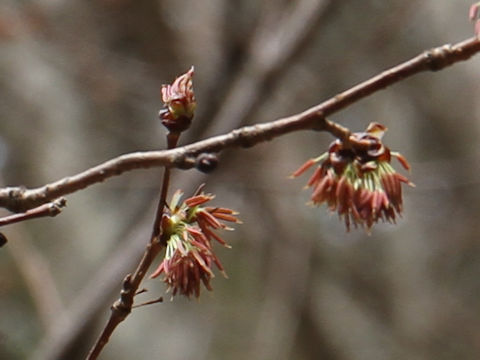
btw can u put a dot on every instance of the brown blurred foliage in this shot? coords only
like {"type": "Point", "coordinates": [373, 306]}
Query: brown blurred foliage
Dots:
{"type": "Point", "coordinates": [80, 83]}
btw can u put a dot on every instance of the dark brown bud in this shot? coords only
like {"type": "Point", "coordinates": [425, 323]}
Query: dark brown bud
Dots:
{"type": "Point", "coordinates": [3, 240]}
{"type": "Point", "coordinates": [206, 162]}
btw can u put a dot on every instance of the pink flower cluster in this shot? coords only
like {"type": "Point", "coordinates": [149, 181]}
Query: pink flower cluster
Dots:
{"type": "Point", "coordinates": [356, 179]}
{"type": "Point", "coordinates": [191, 229]}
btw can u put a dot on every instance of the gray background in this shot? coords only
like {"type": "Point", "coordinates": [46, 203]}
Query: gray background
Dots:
{"type": "Point", "coordinates": [79, 84]}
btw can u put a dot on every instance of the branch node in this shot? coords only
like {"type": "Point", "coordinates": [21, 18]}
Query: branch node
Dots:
{"type": "Point", "coordinates": [439, 57]}
{"type": "Point", "coordinates": [320, 123]}
{"type": "Point", "coordinates": [245, 136]}
{"type": "Point", "coordinates": [56, 207]}
{"type": "Point", "coordinates": [16, 199]}
{"type": "Point", "coordinates": [123, 306]}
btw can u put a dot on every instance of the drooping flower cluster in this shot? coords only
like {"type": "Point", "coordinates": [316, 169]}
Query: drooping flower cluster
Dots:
{"type": "Point", "coordinates": [180, 103]}
{"type": "Point", "coordinates": [357, 180]}
{"type": "Point", "coordinates": [190, 229]}
{"type": "Point", "coordinates": [475, 17]}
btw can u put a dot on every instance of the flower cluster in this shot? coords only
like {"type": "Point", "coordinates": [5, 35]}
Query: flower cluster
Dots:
{"type": "Point", "coordinates": [475, 17]}
{"type": "Point", "coordinates": [180, 103]}
{"type": "Point", "coordinates": [356, 180]}
{"type": "Point", "coordinates": [189, 229]}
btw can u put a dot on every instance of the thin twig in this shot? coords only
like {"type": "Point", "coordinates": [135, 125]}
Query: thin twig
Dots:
{"type": "Point", "coordinates": [123, 306]}
{"type": "Point", "coordinates": [51, 209]}
{"type": "Point", "coordinates": [20, 199]}
{"type": "Point", "coordinates": [151, 302]}
{"type": "Point", "coordinates": [172, 141]}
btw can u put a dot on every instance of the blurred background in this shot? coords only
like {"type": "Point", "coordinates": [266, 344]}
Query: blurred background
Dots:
{"type": "Point", "coordinates": [80, 84]}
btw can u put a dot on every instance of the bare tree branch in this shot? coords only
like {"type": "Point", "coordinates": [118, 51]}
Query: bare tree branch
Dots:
{"type": "Point", "coordinates": [20, 199]}
{"type": "Point", "coordinates": [123, 306]}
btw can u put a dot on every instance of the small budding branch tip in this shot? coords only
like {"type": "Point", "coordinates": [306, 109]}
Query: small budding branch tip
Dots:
{"type": "Point", "coordinates": [180, 103]}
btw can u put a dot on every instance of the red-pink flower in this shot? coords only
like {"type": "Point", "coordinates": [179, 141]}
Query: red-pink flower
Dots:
{"type": "Point", "coordinates": [180, 103]}
{"type": "Point", "coordinates": [474, 15]}
{"type": "Point", "coordinates": [357, 180]}
{"type": "Point", "coordinates": [190, 229]}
